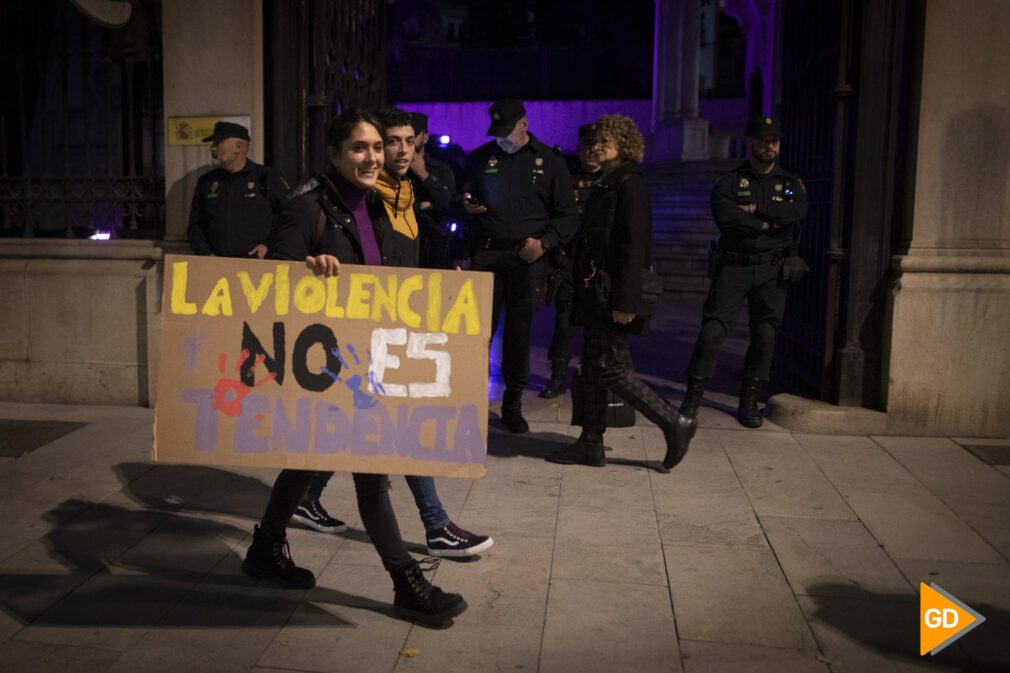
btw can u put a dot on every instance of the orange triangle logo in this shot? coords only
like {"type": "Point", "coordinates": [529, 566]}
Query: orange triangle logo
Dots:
{"type": "Point", "coordinates": [942, 619]}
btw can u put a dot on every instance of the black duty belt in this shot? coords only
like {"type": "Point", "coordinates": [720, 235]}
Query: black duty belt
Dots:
{"type": "Point", "coordinates": [502, 244]}
{"type": "Point", "coordinates": [752, 259]}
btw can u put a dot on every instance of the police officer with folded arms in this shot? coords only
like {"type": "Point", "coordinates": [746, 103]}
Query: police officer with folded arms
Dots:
{"type": "Point", "coordinates": [234, 202]}
{"type": "Point", "coordinates": [519, 195]}
{"type": "Point", "coordinates": [755, 207]}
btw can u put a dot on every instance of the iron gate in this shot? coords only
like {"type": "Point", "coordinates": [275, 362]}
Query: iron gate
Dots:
{"type": "Point", "coordinates": [80, 122]}
{"type": "Point", "coordinates": [323, 56]}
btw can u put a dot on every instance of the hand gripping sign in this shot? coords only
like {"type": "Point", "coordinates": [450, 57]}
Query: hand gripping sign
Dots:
{"type": "Point", "coordinates": [379, 369]}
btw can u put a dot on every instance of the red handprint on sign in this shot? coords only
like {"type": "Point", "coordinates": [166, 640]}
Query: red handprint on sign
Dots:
{"type": "Point", "coordinates": [232, 406]}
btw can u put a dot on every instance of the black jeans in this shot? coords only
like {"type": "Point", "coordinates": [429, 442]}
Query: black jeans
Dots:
{"type": "Point", "coordinates": [376, 511]}
{"type": "Point", "coordinates": [604, 357]}
{"type": "Point", "coordinates": [517, 285]}
{"type": "Point", "coordinates": [765, 293]}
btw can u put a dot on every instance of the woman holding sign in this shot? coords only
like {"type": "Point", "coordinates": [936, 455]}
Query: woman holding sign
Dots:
{"type": "Point", "coordinates": [616, 292]}
{"type": "Point", "coordinates": [335, 222]}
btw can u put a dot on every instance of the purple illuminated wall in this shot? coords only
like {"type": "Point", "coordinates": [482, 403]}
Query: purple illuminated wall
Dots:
{"type": "Point", "coordinates": [557, 122]}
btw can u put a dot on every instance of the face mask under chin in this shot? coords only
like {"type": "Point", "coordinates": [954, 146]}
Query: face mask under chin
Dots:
{"type": "Point", "coordinates": [507, 145]}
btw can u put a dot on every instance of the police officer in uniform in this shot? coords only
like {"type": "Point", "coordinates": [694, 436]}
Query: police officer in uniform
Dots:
{"type": "Point", "coordinates": [519, 194]}
{"type": "Point", "coordinates": [755, 207]}
{"type": "Point", "coordinates": [234, 202]}
{"type": "Point", "coordinates": [560, 351]}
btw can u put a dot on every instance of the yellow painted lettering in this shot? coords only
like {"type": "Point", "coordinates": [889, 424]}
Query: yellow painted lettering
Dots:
{"type": "Point", "coordinates": [463, 307]}
{"type": "Point", "coordinates": [358, 295]}
{"type": "Point", "coordinates": [409, 286]}
{"type": "Point", "coordinates": [282, 290]}
{"type": "Point", "coordinates": [255, 294]}
{"type": "Point", "coordinates": [310, 295]}
{"type": "Point", "coordinates": [434, 300]}
{"type": "Point", "coordinates": [219, 300]}
{"type": "Point", "coordinates": [385, 298]}
{"type": "Point", "coordinates": [180, 276]}
{"type": "Point", "coordinates": [332, 310]}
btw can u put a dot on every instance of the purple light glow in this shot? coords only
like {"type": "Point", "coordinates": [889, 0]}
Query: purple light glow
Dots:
{"type": "Point", "coordinates": [557, 122]}
{"type": "Point", "coordinates": [100, 236]}
{"type": "Point", "coordinates": [444, 140]}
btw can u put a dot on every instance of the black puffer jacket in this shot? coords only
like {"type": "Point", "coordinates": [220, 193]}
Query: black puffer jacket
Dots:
{"type": "Point", "coordinates": [296, 229]}
{"type": "Point", "coordinates": [615, 235]}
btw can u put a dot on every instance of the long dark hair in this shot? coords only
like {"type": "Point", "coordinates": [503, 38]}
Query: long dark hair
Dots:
{"type": "Point", "coordinates": [341, 126]}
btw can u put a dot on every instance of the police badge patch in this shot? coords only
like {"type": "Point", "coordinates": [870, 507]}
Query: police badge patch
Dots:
{"type": "Point", "coordinates": [744, 183]}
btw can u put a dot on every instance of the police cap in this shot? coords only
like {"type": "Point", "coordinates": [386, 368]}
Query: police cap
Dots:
{"type": "Point", "coordinates": [764, 127]}
{"type": "Point", "coordinates": [505, 114]}
{"type": "Point", "coordinates": [587, 134]}
{"type": "Point", "coordinates": [223, 130]}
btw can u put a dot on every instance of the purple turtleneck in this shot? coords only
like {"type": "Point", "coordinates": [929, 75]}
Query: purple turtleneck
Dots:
{"type": "Point", "coordinates": [354, 198]}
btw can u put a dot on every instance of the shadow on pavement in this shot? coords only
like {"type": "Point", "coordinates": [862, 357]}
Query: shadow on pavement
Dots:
{"type": "Point", "coordinates": [169, 564]}
{"type": "Point", "coordinates": [531, 445]}
{"type": "Point", "coordinates": [889, 623]}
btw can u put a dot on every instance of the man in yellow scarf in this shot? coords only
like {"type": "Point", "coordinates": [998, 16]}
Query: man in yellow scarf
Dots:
{"type": "Point", "coordinates": [393, 186]}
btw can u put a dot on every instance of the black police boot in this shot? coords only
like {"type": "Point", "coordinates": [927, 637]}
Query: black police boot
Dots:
{"type": "Point", "coordinates": [512, 412]}
{"type": "Point", "coordinates": [420, 601]}
{"type": "Point", "coordinates": [556, 386]}
{"type": "Point", "coordinates": [678, 438]}
{"type": "Point", "coordinates": [269, 559]}
{"type": "Point", "coordinates": [692, 398]}
{"type": "Point", "coordinates": [588, 450]}
{"type": "Point", "coordinates": [748, 413]}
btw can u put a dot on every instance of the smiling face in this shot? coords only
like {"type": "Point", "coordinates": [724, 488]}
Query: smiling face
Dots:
{"type": "Point", "coordinates": [360, 156]}
{"type": "Point", "coordinates": [399, 149]}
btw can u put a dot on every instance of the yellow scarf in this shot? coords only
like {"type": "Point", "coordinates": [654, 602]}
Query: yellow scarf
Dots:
{"type": "Point", "coordinates": [398, 198]}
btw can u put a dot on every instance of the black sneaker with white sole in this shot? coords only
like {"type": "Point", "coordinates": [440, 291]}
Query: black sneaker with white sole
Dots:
{"type": "Point", "coordinates": [454, 542]}
{"type": "Point", "coordinates": [311, 513]}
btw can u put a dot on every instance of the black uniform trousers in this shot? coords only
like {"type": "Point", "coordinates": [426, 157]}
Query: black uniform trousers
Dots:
{"type": "Point", "coordinates": [604, 367]}
{"type": "Point", "coordinates": [517, 286]}
{"type": "Point", "coordinates": [373, 505]}
{"type": "Point", "coordinates": [561, 341]}
{"type": "Point", "coordinates": [765, 293]}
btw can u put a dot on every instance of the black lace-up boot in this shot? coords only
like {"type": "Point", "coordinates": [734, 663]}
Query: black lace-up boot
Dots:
{"type": "Point", "coordinates": [556, 386]}
{"type": "Point", "coordinates": [586, 450]}
{"type": "Point", "coordinates": [692, 398]}
{"type": "Point", "coordinates": [269, 559]}
{"type": "Point", "coordinates": [512, 412]}
{"type": "Point", "coordinates": [748, 412]}
{"type": "Point", "coordinates": [420, 601]}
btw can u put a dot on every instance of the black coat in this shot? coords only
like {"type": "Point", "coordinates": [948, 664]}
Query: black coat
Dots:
{"type": "Point", "coordinates": [296, 230]}
{"type": "Point", "coordinates": [616, 236]}
{"type": "Point", "coordinates": [780, 199]}
{"type": "Point", "coordinates": [232, 213]}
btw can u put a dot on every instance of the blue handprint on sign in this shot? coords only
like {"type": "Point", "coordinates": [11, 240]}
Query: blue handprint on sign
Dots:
{"type": "Point", "coordinates": [362, 399]}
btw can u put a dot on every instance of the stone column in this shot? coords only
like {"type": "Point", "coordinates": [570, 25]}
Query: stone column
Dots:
{"type": "Point", "coordinates": [949, 365]}
{"type": "Point", "coordinates": [678, 132]}
{"type": "Point", "coordinates": [213, 66]}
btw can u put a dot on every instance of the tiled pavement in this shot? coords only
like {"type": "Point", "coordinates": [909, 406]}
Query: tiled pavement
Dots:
{"type": "Point", "coordinates": [763, 551]}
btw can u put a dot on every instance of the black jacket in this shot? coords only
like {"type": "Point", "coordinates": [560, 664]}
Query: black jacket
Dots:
{"type": "Point", "coordinates": [615, 236]}
{"type": "Point", "coordinates": [296, 230]}
{"type": "Point", "coordinates": [232, 213]}
{"type": "Point", "coordinates": [781, 200]}
{"type": "Point", "coordinates": [527, 194]}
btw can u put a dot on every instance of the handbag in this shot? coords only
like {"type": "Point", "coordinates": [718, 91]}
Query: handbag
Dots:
{"type": "Point", "coordinates": [619, 414]}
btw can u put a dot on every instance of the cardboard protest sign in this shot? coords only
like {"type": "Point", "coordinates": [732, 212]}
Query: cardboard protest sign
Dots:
{"type": "Point", "coordinates": [379, 369]}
